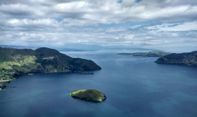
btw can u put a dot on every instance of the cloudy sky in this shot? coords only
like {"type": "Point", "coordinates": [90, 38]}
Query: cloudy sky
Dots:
{"type": "Point", "coordinates": [152, 23]}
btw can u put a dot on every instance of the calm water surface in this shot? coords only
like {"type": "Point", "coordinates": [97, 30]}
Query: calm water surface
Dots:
{"type": "Point", "coordinates": [135, 87]}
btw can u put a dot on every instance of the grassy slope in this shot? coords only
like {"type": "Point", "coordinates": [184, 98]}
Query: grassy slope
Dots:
{"type": "Point", "coordinates": [14, 62]}
{"type": "Point", "coordinates": [18, 64]}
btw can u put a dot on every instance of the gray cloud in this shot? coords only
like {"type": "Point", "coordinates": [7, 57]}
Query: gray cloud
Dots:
{"type": "Point", "coordinates": [186, 26]}
{"type": "Point", "coordinates": [143, 22]}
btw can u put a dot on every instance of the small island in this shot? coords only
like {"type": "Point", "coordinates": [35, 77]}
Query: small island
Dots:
{"type": "Point", "coordinates": [155, 53]}
{"type": "Point", "coordinates": [186, 59]}
{"type": "Point", "coordinates": [91, 95]}
{"type": "Point", "coordinates": [17, 62]}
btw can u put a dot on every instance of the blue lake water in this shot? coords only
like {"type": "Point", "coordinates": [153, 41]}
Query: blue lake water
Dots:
{"type": "Point", "coordinates": [135, 87]}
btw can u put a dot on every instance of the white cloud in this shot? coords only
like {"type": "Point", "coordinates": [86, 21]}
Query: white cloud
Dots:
{"type": "Point", "coordinates": [97, 21]}
{"type": "Point", "coordinates": [112, 11]}
{"type": "Point", "coordinates": [164, 12]}
{"type": "Point", "coordinates": [30, 22]}
{"type": "Point", "coordinates": [75, 6]}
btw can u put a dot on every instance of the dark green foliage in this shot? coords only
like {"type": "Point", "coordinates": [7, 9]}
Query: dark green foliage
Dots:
{"type": "Point", "coordinates": [188, 59]}
{"type": "Point", "coordinates": [91, 95]}
{"type": "Point", "coordinates": [14, 62]}
{"type": "Point", "coordinates": [84, 65]}
{"type": "Point", "coordinates": [52, 60]}
{"type": "Point", "coordinates": [7, 54]}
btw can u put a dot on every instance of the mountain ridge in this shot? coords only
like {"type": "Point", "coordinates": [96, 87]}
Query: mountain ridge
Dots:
{"type": "Point", "coordinates": [16, 62]}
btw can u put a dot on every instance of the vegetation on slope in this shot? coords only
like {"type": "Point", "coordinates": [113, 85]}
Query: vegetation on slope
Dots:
{"type": "Point", "coordinates": [14, 62]}
{"type": "Point", "coordinates": [188, 59]}
{"type": "Point", "coordinates": [91, 95]}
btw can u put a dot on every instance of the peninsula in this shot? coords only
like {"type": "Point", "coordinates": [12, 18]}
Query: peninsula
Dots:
{"type": "Point", "coordinates": [187, 59]}
{"type": "Point", "coordinates": [155, 53]}
{"type": "Point", "coordinates": [17, 62]}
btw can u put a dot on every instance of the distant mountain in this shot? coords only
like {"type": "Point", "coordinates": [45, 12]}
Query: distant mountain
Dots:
{"type": "Point", "coordinates": [188, 59]}
{"type": "Point", "coordinates": [14, 62]}
{"type": "Point", "coordinates": [17, 46]}
{"type": "Point", "coordinates": [146, 54]}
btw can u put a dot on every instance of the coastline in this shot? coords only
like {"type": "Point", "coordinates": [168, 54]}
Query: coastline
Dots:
{"type": "Point", "coordinates": [3, 84]}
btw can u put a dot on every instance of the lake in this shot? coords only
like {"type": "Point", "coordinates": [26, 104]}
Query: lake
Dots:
{"type": "Point", "coordinates": [134, 86]}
